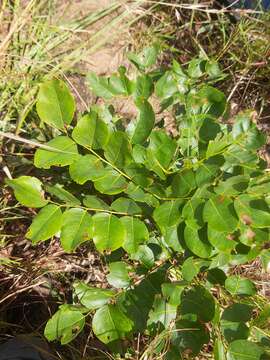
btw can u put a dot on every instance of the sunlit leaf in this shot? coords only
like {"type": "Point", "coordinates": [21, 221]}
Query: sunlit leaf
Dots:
{"type": "Point", "coordinates": [28, 191]}
{"type": "Point", "coordinates": [108, 232]}
{"type": "Point", "coordinates": [110, 323]}
{"type": "Point", "coordinates": [55, 104]}
{"type": "Point", "coordinates": [92, 297]}
{"type": "Point", "coordinates": [110, 182]}
{"type": "Point", "coordinates": [76, 228]}
{"type": "Point", "coordinates": [144, 123]}
{"type": "Point", "coordinates": [91, 131]}
{"type": "Point", "coordinates": [46, 224]}
{"type": "Point", "coordinates": [118, 275]}
{"type": "Point", "coordinates": [64, 152]}
{"type": "Point", "coordinates": [65, 324]}
{"type": "Point", "coordinates": [220, 215]}
{"type": "Point", "coordinates": [118, 149]}
{"type": "Point", "coordinates": [237, 285]}
{"type": "Point", "coordinates": [136, 233]}
{"type": "Point", "coordinates": [86, 167]}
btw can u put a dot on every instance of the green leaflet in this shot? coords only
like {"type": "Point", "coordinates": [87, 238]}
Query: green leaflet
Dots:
{"type": "Point", "coordinates": [110, 182]}
{"type": "Point", "coordinates": [108, 232]}
{"type": "Point", "coordinates": [172, 292]}
{"type": "Point", "coordinates": [92, 297]}
{"type": "Point", "coordinates": [183, 183]}
{"type": "Point", "coordinates": [232, 330]}
{"type": "Point", "coordinates": [198, 301]}
{"type": "Point", "coordinates": [146, 58]}
{"type": "Point", "coordinates": [99, 85]}
{"type": "Point", "coordinates": [55, 104]}
{"type": "Point", "coordinates": [160, 152]}
{"type": "Point", "coordinates": [110, 323]}
{"type": "Point", "coordinates": [222, 241]}
{"type": "Point", "coordinates": [193, 213]}
{"type": "Point", "coordinates": [252, 211]}
{"type": "Point", "coordinates": [190, 336]}
{"type": "Point", "coordinates": [166, 86]}
{"type": "Point", "coordinates": [136, 233]}
{"type": "Point", "coordinates": [58, 191]}
{"type": "Point", "coordinates": [118, 149]}
{"type": "Point", "coordinates": [168, 213]}
{"type": "Point", "coordinates": [233, 185]}
{"type": "Point", "coordinates": [119, 275]}
{"type": "Point", "coordinates": [65, 324]}
{"type": "Point", "coordinates": [91, 131]}
{"type": "Point", "coordinates": [94, 203]}
{"type": "Point", "coordinates": [64, 152]}
{"type": "Point", "coordinates": [238, 312]}
{"type": "Point", "coordinates": [46, 224]}
{"type": "Point", "coordinates": [196, 67]}
{"type": "Point", "coordinates": [144, 86]}
{"type": "Point", "coordinates": [191, 268]}
{"type": "Point", "coordinates": [76, 228]}
{"type": "Point", "coordinates": [28, 191]}
{"type": "Point", "coordinates": [162, 313]}
{"type": "Point", "coordinates": [237, 285]}
{"type": "Point", "coordinates": [244, 350]}
{"type": "Point", "coordinates": [143, 254]}
{"type": "Point", "coordinates": [137, 302]}
{"type": "Point", "coordinates": [220, 215]}
{"type": "Point", "coordinates": [144, 123]}
{"type": "Point", "coordinates": [85, 168]}
{"type": "Point", "coordinates": [197, 242]}
{"type": "Point", "coordinates": [126, 205]}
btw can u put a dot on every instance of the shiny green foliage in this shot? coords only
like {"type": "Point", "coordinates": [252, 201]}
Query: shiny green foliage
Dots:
{"type": "Point", "coordinates": [169, 215]}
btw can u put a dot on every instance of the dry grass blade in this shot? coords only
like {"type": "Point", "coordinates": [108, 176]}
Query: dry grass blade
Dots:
{"type": "Point", "coordinates": [32, 143]}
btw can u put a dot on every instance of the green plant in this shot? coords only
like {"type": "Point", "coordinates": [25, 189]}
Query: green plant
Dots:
{"type": "Point", "coordinates": [171, 217]}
